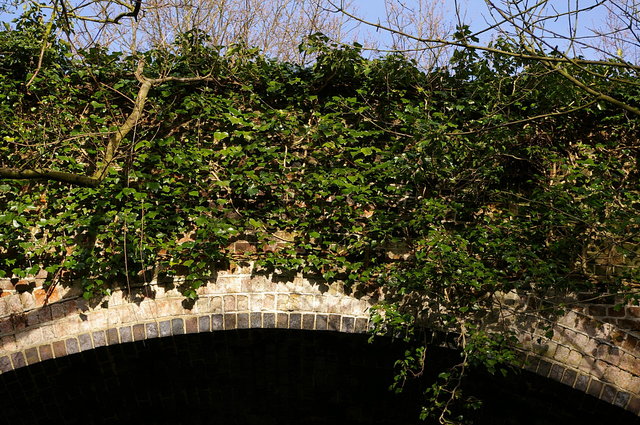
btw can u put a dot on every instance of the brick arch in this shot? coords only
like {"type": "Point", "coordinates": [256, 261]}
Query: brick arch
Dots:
{"type": "Point", "coordinates": [591, 354]}
{"type": "Point", "coordinates": [588, 352]}
{"type": "Point", "coordinates": [31, 332]}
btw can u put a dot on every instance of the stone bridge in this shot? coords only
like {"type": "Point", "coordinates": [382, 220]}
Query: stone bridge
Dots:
{"type": "Point", "coordinates": [593, 347]}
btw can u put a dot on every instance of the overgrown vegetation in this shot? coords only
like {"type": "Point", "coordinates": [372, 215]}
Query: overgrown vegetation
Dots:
{"type": "Point", "coordinates": [490, 175]}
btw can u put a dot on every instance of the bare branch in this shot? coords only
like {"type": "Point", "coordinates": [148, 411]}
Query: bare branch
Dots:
{"type": "Point", "coordinates": [115, 139]}
{"type": "Point", "coordinates": [437, 42]}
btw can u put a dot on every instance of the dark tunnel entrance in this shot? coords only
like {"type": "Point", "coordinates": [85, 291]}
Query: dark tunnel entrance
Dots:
{"type": "Point", "coordinates": [267, 376]}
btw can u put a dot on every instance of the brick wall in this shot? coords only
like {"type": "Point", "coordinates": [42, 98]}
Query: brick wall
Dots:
{"type": "Point", "coordinates": [593, 347]}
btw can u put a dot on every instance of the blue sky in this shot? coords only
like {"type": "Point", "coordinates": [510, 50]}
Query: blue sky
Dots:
{"type": "Point", "coordinates": [476, 14]}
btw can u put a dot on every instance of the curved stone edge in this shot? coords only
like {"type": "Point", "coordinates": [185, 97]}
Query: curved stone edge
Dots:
{"type": "Point", "coordinates": [241, 300]}
{"type": "Point", "coordinates": [182, 325]}
{"type": "Point", "coordinates": [229, 300]}
{"type": "Point", "coordinates": [583, 352]}
{"type": "Point", "coordinates": [580, 381]}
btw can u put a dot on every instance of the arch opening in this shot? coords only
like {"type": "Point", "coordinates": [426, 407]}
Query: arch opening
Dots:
{"type": "Point", "coordinates": [269, 376]}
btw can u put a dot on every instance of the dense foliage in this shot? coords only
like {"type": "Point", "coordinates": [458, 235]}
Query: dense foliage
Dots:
{"type": "Point", "coordinates": [490, 175]}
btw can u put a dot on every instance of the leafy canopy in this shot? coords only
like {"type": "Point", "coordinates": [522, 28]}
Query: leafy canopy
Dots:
{"type": "Point", "coordinates": [489, 175]}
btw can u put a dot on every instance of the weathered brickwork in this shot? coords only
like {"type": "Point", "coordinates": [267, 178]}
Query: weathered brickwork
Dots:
{"type": "Point", "coordinates": [577, 349]}
{"type": "Point", "coordinates": [31, 331]}
{"type": "Point", "coordinates": [588, 347]}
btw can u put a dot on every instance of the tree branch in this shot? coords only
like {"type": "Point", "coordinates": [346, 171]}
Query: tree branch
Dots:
{"type": "Point", "coordinates": [47, 174]}
{"type": "Point", "coordinates": [465, 45]}
{"type": "Point", "coordinates": [114, 140]}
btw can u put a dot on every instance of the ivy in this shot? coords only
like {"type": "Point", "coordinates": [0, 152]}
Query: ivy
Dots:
{"type": "Point", "coordinates": [365, 170]}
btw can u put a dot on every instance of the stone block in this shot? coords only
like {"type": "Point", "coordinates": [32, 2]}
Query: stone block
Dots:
{"type": "Point", "coordinates": [8, 343]}
{"type": "Point", "coordinates": [269, 302]}
{"type": "Point", "coordinates": [148, 309]}
{"type": "Point", "coordinates": [13, 304]}
{"type": "Point", "coordinates": [282, 321]}
{"type": "Point", "coordinates": [331, 304]}
{"type": "Point", "coordinates": [230, 321]}
{"type": "Point", "coordinates": [569, 377]}
{"type": "Point", "coordinates": [138, 332]}
{"type": "Point", "coordinates": [296, 303]}
{"type": "Point", "coordinates": [48, 333]}
{"type": "Point", "coordinates": [608, 394]}
{"type": "Point", "coordinates": [570, 319]}
{"type": "Point", "coordinates": [633, 312]}
{"type": "Point", "coordinates": [348, 324]}
{"type": "Point", "coordinates": [581, 383]}
{"type": "Point", "coordinates": [243, 321]}
{"type": "Point", "coordinates": [256, 319]}
{"type": "Point", "coordinates": [201, 305]}
{"type": "Point", "coordinates": [556, 372]}
{"type": "Point", "coordinates": [230, 303]}
{"type": "Point", "coordinates": [72, 345]}
{"type": "Point", "coordinates": [595, 388]}
{"type": "Point", "coordinates": [59, 349]}
{"type": "Point", "coordinates": [177, 326]}
{"type": "Point", "coordinates": [31, 355]}
{"type": "Point", "coordinates": [204, 323]}
{"type": "Point", "coordinates": [152, 330]}
{"type": "Point", "coordinates": [113, 317]}
{"type": "Point", "coordinates": [634, 405]}
{"type": "Point", "coordinates": [85, 342]}
{"type": "Point", "coordinates": [361, 325]}
{"type": "Point", "coordinates": [113, 337]}
{"type": "Point", "coordinates": [269, 320]}
{"type": "Point", "coordinates": [190, 325]}
{"type": "Point", "coordinates": [117, 298]}
{"type": "Point", "coordinates": [308, 321]}
{"type": "Point", "coordinates": [18, 360]}
{"type": "Point", "coordinates": [242, 302]}
{"type": "Point", "coordinates": [125, 334]}
{"type": "Point", "coordinates": [6, 326]}
{"type": "Point", "coordinates": [165, 307]}
{"type": "Point", "coordinates": [38, 316]}
{"type": "Point", "coordinates": [544, 367]}
{"type": "Point", "coordinates": [39, 295]}
{"type": "Point", "coordinates": [99, 339]}
{"type": "Point", "coordinates": [217, 322]}
{"type": "Point", "coordinates": [28, 301]}
{"type": "Point", "coordinates": [336, 288]}
{"type": "Point", "coordinates": [5, 364]}
{"type": "Point", "coordinates": [261, 284]}
{"type": "Point", "coordinates": [62, 309]}
{"type": "Point", "coordinates": [295, 321]}
{"type": "Point", "coordinates": [613, 312]}
{"type": "Point", "coordinates": [215, 304]}
{"type": "Point", "coordinates": [233, 285]}
{"type": "Point", "coordinates": [334, 322]}
{"type": "Point", "coordinates": [622, 379]}
{"type": "Point", "coordinates": [283, 287]}
{"type": "Point", "coordinates": [46, 352]}
{"type": "Point", "coordinates": [629, 324]}
{"type": "Point", "coordinates": [599, 369]}
{"type": "Point", "coordinates": [322, 322]}
{"type": "Point", "coordinates": [562, 354]}
{"type": "Point", "coordinates": [283, 302]}
{"type": "Point", "coordinates": [622, 398]}
{"type": "Point", "coordinates": [164, 328]}
{"type": "Point", "coordinates": [29, 338]}
{"type": "Point", "coordinates": [268, 285]}
{"type": "Point", "coordinates": [246, 284]}
{"type": "Point", "coordinates": [630, 363]}
{"type": "Point", "coordinates": [257, 302]}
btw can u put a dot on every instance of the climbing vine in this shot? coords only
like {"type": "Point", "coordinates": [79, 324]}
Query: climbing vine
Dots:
{"type": "Point", "coordinates": [486, 176]}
